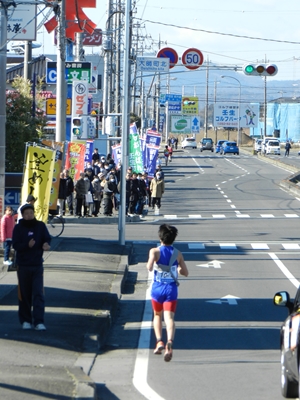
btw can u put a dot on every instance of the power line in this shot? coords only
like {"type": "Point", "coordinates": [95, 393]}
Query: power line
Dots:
{"type": "Point", "coordinates": [218, 33]}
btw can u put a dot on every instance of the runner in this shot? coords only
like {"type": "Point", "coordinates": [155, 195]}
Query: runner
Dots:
{"type": "Point", "coordinates": [167, 262]}
{"type": "Point", "coordinates": [166, 154]}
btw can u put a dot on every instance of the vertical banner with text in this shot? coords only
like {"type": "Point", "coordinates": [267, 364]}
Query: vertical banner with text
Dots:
{"type": "Point", "coordinates": [75, 159]}
{"type": "Point", "coordinates": [38, 177]}
{"type": "Point", "coordinates": [59, 149]}
{"type": "Point", "coordinates": [135, 153]}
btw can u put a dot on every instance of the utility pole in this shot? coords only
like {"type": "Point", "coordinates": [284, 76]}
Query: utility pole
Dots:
{"type": "Point", "coordinates": [125, 120]}
{"type": "Point", "coordinates": [107, 47]}
{"type": "Point", "coordinates": [3, 40]}
{"type": "Point", "coordinates": [206, 97]}
{"type": "Point", "coordinates": [61, 84]}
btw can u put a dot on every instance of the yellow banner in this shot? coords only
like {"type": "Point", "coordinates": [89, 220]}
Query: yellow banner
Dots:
{"type": "Point", "coordinates": [59, 148]}
{"type": "Point", "coordinates": [37, 180]}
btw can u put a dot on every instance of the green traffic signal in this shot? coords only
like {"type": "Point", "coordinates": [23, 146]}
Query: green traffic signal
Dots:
{"type": "Point", "coordinates": [249, 69]}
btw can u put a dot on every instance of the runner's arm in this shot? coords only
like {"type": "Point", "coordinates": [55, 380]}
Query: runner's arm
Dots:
{"type": "Point", "coordinates": [153, 257]}
{"type": "Point", "coordinates": [182, 268]}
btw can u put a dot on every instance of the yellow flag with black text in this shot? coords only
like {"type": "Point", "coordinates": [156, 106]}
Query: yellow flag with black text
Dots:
{"type": "Point", "coordinates": [37, 181]}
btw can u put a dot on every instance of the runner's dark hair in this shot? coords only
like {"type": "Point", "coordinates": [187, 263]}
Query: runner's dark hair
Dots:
{"type": "Point", "coordinates": [167, 233]}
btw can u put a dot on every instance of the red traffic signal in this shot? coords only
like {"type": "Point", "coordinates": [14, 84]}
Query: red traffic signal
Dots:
{"type": "Point", "coordinates": [260, 69]}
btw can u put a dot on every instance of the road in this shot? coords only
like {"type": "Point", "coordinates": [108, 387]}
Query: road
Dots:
{"type": "Point", "coordinates": [239, 233]}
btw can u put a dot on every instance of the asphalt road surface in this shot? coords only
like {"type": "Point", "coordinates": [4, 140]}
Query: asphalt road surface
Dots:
{"type": "Point", "coordinates": [239, 234]}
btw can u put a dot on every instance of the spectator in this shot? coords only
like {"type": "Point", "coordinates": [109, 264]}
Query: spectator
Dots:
{"type": "Point", "coordinates": [95, 157]}
{"type": "Point", "coordinates": [30, 200]}
{"type": "Point", "coordinates": [158, 169]}
{"type": "Point", "coordinates": [7, 227]}
{"type": "Point", "coordinates": [134, 192]}
{"type": "Point", "coordinates": [110, 188]}
{"type": "Point", "coordinates": [287, 148]}
{"type": "Point", "coordinates": [157, 188]}
{"type": "Point", "coordinates": [80, 194]}
{"type": "Point", "coordinates": [88, 198]}
{"type": "Point", "coordinates": [69, 191]}
{"type": "Point", "coordinates": [62, 194]}
{"type": "Point", "coordinates": [30, 239]}
{"type": "Point", "coordinates": [141, 195]}
{"type": "Point", "coordinates": [96, 195]}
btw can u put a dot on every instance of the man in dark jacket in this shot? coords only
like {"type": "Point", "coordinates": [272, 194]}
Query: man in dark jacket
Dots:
{"type": "Point", "coordinates": [134, 194]}
{"type": "Point", "coordinates": [80, 194]}
{"type": "Point", "coordinates": [70, 190]}
{"type": "Point", "coordinates": [62, 194]}
{"type": "Point", "coordinates": [30, 239]}
{"type": "Point", "coordinates": [110, 188]}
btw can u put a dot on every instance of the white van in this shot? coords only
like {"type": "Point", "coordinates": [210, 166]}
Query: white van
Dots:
{"type": "Point", "coordinates": [273, 147]}
{"type": "Point", "coordinates": [264, 143]}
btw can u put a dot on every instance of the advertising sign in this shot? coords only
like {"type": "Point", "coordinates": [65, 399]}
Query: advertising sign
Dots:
{"type": "Point", "coordinates": [181, 124]}
{"type": "Point", "coordinates": [75, 70]}
{"type": "Point", "coordinates": [79, 109]}
{"type": "Point", "coordinates": [226, 115]}
{"type": "Point", "coordinates": [21, 24]}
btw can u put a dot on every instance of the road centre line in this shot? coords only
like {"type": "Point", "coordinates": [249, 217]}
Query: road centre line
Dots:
{"type": "Point", "coordinates": [284, 270]}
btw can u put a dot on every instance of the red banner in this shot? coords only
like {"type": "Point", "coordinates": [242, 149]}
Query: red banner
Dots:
{"type": "Point", "coordinates": [75, 159]}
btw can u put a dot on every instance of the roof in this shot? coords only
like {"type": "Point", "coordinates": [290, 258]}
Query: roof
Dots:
{"type": "Point", "coordinates": [38, 68]}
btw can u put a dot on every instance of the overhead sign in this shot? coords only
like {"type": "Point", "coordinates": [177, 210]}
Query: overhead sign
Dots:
{"type": "Point", "coordinates": [152, 64]}
{"type": "Point", "coordinates": [227, 115]}
{"type": "Point", "coordinates": [173, 101]}
{"type": "Point", "coordinates": [168, 52]}
{"type": "Point", "coordinates": [21, 24]}
{"type": "Point", "coordinates": [181, 124]}
{"type": "Point", "coordinates": [75, 70]}
{"type": "Point", "coordinates": [51, 107]}
{"type": "Point", "coordinates": [192, 58]}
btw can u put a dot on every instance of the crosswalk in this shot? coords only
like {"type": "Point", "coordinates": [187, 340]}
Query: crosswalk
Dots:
{"type": "Point", "coordinates": [237, 246]}
{"type": "Point", "coordinates": [222, 216]}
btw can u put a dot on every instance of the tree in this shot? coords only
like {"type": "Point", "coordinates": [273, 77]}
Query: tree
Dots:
{"type": "Point", "coordinates": [21, 125]}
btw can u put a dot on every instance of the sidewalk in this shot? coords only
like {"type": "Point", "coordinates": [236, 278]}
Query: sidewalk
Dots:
{"type": "Point", "coordinates": [83, 282]}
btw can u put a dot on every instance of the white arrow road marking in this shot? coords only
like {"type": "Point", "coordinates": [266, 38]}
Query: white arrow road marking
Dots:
{"type": "Point", "coordinates": [229, 299]}
{"type": "Point", "coordinates": [214, 264]}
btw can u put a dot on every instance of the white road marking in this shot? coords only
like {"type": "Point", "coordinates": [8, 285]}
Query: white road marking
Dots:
{"type": "Point", "coordinates": [291, 246]}
{"type": "Point", "coordinates": [229, 299]}
{"type": "Point", "coordinates": [218, 216]}
{"type": "Point", "coordinates": [259, 246]}
{"type": "Point", "coordinates": [196, 246]}
{"type": "Point", "coordinates": [141, 362]}
{"type": "Point", "coordinates": [214, 264]}
{"type": "Point", "coordinates": [267, 215]}
{"type": "Point", "coordinates": [284, 269]}
{"type": "Point", "coordinates": [170, 216]}
{"type": "Point", "coordinates": [232, 206]}
{"type": "Point", "coordinates": [195, 216]}
{"type": "Point", "coordinates": [291, 215]}
{"type": "Point", "coordinates": [243, 216]}
{"type": "Point", "coordinates": [227, 245]}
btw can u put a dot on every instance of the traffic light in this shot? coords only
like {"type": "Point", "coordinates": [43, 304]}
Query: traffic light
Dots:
{"type": "Point", "coordinates": [188, 103]}
{"type": "Point", "coordinates": [77, 126]}
{"type": "Point", "coordinates": [260, 69]}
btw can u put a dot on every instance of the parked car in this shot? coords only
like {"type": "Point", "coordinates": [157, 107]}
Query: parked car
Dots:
{"type": "Point", "coordinates": [289, 344]}
{"type": "Point", "coordinates": [206, 144]}
{"type": "Point", "coordinates": [229, 147]}
{"type": "Point", "coordinates": [272, 147]}
{"type": "Point", "coordinates": [257, 145]}
{"type": "Point", "coordinates": [218, 145]}
{"type": "Point", "coordinates": [265, 142]}
{"type": "Point", "coordinates": [189, 142]}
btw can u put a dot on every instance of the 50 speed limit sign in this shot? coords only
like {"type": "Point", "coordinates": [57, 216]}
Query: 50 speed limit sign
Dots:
{"type": "Point", "coordinates": [192, 58]}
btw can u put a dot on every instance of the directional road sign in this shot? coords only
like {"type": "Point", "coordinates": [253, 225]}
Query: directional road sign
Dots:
{"type": "Point", "coordinates": [168, 52]}
{"type": "Point", "coordinates": [152, 64]}
{"type": "Point", "coordinates": [192, 58]}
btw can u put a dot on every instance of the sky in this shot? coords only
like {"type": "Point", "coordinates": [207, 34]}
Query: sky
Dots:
{"type": "Point", "coordinates": [232, 25]}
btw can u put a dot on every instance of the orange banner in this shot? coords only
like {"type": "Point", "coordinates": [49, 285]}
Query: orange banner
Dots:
{"type": "Point", "coordinates": [75, 159]}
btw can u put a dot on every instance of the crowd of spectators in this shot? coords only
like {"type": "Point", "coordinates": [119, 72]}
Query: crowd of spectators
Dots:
{"type": "Point", "coordinates": [97, 191]}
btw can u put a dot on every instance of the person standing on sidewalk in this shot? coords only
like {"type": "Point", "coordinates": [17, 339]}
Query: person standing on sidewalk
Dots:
{"type": "Point", "coordinates": [7, 227]}
{"type": "Point", "coordinates": [62, 194]}
{"type": "Point", "coordinates": [80, 195]}
{"type": "Point", "coordinates": [166, 262]}
{"type": "Point", "coordinates": [70, 190]}
{"type": "Point", "coordinates": [157, 188]}
{"type": "Point", "coordinates": [30, 239]}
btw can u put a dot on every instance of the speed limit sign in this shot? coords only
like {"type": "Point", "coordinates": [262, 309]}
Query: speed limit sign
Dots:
{"type": "Point", "coordinates": [192, 58]}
